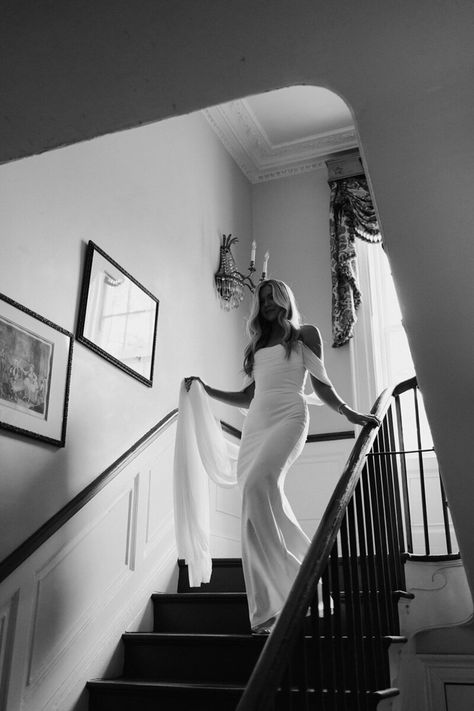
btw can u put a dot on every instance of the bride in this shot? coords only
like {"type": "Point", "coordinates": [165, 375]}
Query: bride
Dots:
{"type": "Point", "coordinates": [280, 353]}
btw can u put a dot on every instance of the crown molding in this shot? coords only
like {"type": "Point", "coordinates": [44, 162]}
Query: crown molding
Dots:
{"type": "Point", "coordinates": [245, 139]}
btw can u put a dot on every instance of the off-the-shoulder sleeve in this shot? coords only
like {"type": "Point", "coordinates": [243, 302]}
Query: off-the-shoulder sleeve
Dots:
{"type": "Point", "coordinates": [316, 367]}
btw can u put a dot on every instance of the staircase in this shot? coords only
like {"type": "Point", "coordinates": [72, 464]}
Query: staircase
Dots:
{"type": "Point", "coordinates": [199, 655]}
{"type": "Point", "coordinates": [201, 652]}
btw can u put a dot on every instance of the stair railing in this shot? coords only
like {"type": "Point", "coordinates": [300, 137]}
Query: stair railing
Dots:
{"type": "Point", "coordinates": [328, 649]}
{"type": "Point", "coordinates": [428, 527]}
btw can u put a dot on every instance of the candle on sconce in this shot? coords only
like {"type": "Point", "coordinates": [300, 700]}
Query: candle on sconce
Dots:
{"type": "Point", "coordinates": [265, 264]}
{"type": "Point", "coordinates": [252, 253]}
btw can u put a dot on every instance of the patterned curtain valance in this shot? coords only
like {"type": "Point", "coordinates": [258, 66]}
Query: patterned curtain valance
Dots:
{"type": "Point", "coordinates": [351, 215]}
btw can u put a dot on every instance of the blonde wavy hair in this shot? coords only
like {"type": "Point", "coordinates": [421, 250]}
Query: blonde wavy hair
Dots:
{"type": "Point", "coordinates": [259, 330]}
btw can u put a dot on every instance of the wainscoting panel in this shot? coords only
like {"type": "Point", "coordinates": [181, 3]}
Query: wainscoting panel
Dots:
{"type": "Point", "coordinates": [159, 490]}
{"type": "Point", "coordinates": [311, 481]}
{"type": "Point", "coordinates": [450, 681]}
{"type": "Point", "coordinates": [69, 588]}
{"type": "Point", "coordinates": [63, 611]}
{"type": "Point", "coordinates": [309, 486]}
{"type": "Point", "coordinates": [437, 619]}
{"type": "Point", "coordinates": [459, 697]}
{"type": "Point", "coordinates": [8, 613]}
{"type": "Point", "coordinates": [224, 512]}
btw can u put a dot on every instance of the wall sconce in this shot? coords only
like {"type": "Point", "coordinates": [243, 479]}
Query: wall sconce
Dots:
{"type": "Point", "coordinates": [229, 281]}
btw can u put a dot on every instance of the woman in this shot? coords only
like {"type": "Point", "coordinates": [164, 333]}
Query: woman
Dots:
{"type": "Point", "coordinates": [280, 353]}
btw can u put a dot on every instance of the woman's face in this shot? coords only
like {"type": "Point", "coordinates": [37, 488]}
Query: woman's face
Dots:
{"type": "Point", "coordinates": [269, 310]}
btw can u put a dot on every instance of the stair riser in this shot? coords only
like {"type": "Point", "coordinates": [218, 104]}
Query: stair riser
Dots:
{"type": "Point", "coordinates": [223, 579]}
{"type": "Point", "coordinates": [338, 668]}
{"type": "Point", "coordinates": [217, 700]}
{"type": "Point", "coordinates": [328, 702]}
{"type": "Point", "coordinates": [192, 661]}
{"type": "Point", "coordinates": [160, 700]}
{"type": "Point", "coordinates": [204, 616]}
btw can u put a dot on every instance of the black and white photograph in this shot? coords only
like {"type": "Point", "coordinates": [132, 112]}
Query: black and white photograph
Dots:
{"type": "Point", "coordinates": [251, 486]}
{"type": "Point", "coordinates": [35, 362]}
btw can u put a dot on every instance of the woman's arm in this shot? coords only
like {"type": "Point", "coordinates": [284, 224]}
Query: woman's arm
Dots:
{"type": "Point", "coordinates": [239, 398]}
{"type": "Point", "coordinates": [311, 337]}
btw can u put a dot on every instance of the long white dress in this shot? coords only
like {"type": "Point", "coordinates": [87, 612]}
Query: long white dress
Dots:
{"type": "Point", "coordinates": [274, 433]}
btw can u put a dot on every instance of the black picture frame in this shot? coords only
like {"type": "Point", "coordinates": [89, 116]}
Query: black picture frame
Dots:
{"type": "Point", "coordinates": [35, 373]}
{"type": "Point", "coordinates": [118, 316]}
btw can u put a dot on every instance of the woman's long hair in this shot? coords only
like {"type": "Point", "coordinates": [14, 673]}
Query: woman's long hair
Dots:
{"type": "Point", "coordinates": [259, 330]}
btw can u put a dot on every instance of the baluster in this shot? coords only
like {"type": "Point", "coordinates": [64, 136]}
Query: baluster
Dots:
{"type": "Point", "coordinates": [367, 612]}
{"type": "Point", "coordinates": [395, 492]}
{"type": "Point", "coordinates": [339, 662]}
{"type": "Point", "coordinates": [373, 574]}
{"type": "Point", "coordinates": [375, 475]}
{"type": "Point", "coordinates": [316, 651]}
{"type": "Point", "coordinates": [299, 676]}
{"type": "Point", "coordinates": [393, 550]}
{"type": "Point", "coordinates": [349, 597]}
{"type": "Point", "coordinates": [284, 693]}
{"type": "Point", "coordinates": [403, 468]}
{"type": "Point", "coordinates": [447, 529]}
{"type": "Point", "coordinates": [356, 587]}
{"type": "Point", "coordinates": [422, 475]}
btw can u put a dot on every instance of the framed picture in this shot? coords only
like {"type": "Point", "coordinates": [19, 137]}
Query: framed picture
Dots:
{"type": "Point", "coordinates": [35, 370]}
{"type": "Point", "coordinates": [117, 316]}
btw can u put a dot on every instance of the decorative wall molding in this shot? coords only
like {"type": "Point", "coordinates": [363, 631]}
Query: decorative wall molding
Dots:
{"type": "Point", "coordinates": [442, 670]}
{"type": "Point", "coordinates": [8, 614]}
{"type": "Point", "coordinates": [346, 166]}
{"type": "Point", "coordinates": [310, 482]}
{"type": "Point", "coordinates": [104, 646]}
{"type": "Point", "coordinates": [442, 596]}
{"type": "Point", "coordinates": [245, 139]}
{"type": "Point", "coordinates": [49, 528]}
{"type": "Point", "coordinates": [99, 590]}
{"type": "Point", "coordinates": [88, 582]}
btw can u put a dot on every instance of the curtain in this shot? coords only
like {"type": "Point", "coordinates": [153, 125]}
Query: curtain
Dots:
{"type": "Point", "coordinates": [351, 215]}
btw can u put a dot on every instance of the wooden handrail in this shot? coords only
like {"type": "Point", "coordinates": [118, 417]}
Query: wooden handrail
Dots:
{"type": "Point", "coordinates": [267, 673]}
{"type": "Point", "coordinates": [404, 386]}
{"type": "Point", "coordinates": [372, 477]}
{"type": "Point", "coordinates": [33, 542]}
{"type": "Point", "coordinates": [61, 517]}
{"type": "Point", "coordinates": [25, 549]}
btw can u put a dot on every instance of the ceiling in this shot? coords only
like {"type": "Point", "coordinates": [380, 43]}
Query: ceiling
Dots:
{"type": "Point", "coordinates": [284, 132]}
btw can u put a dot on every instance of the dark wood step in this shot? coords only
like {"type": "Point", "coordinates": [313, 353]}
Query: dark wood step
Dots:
{"type": "Point", "coordinates": [227, 576]}
{"type": "Point", "coordinates": [211, 613]}
{"type": "Point", "coordinates": [207, 658]}
{"type": "Point", "coordinates": [131, 695]}
{"type": "Point", "coordinates": [328, 700]}
{"type": "Point", "coordinates": [336, 662]}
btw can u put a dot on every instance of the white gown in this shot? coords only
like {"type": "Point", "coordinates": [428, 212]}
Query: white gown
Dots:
{"type": "Point", "coordinates": [274, 433]}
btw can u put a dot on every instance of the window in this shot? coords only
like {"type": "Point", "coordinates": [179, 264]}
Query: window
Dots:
{"type": "Point", "coordinates": [391, 354]}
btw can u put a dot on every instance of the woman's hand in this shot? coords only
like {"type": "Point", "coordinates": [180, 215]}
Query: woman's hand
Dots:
{"type": "Point", "coordinates": [189, 381]}
{"type": "Point", "coordinates": [358, 418]}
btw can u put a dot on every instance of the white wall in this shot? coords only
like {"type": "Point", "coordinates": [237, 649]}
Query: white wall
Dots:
{"type": "Point", "coordinates": [157, 200]}
{"type": "Point", "coordinates": [64, 610]}
{"type": "Point", "coordinates": [291, 220]}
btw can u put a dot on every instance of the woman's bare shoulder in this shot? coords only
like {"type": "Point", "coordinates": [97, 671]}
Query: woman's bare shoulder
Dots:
{"type": "Point", "coordinates": [311, 337]}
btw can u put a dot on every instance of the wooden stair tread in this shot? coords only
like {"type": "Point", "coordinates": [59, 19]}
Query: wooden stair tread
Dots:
{"type": "Point", "coordinates": [133, 684]}
{"type": "Point", "coordinates": [179, 637]}
{"type": "Point", "coordinates": [200, 596]}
